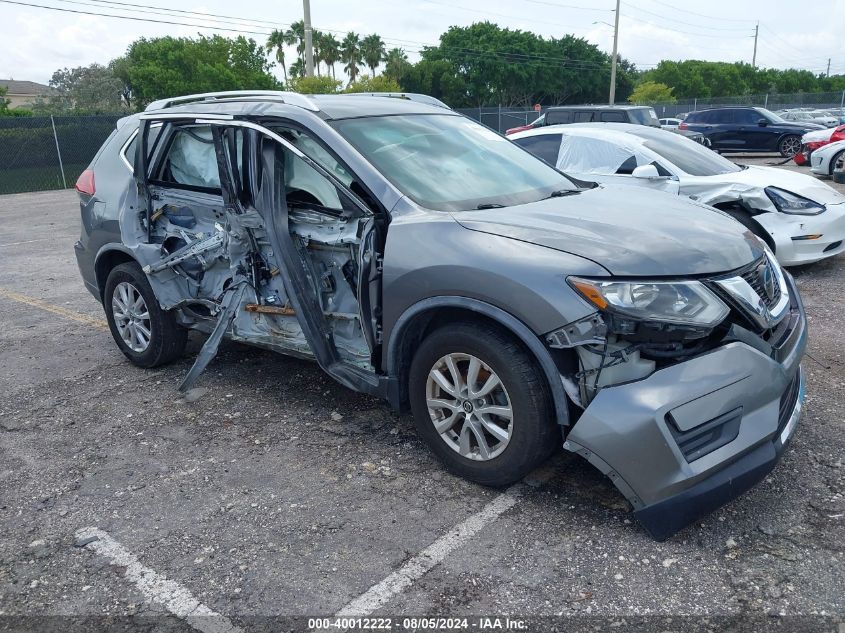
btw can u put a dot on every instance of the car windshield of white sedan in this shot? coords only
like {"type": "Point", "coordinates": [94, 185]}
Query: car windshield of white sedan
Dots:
{"type": "Point", "coordinates": [450, 163]}
{"type": "Point", "coordinates": [688, 156]}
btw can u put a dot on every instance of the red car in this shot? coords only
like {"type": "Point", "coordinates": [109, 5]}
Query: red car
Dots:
{"type": "Point", "coordinates": [816, 141]}
{"type": "Point", "coordinates": [539, 122]}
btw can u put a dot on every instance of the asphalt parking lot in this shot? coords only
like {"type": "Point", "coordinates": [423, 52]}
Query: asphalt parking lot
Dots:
{"type": "Point", "coordinates": [280, 493]}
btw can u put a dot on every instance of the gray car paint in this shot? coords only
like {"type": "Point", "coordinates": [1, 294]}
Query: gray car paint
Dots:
{"type": "Point", "coordinates": [511, 264]}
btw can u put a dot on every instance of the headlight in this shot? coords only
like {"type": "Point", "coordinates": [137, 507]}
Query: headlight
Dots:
{"type": "Point", "coordinates": [678, 302]}
{"type": "Point", "coordinates": [788, 202]}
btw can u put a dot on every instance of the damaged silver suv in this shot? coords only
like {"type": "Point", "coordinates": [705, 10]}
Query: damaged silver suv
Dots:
{"type": "Point", "coordinates": [420, 257]}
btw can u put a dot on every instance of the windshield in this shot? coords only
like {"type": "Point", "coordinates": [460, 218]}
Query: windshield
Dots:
{"type": "Point", "coordinates": [771, 116]}
{"type": "Point", "coordinates": [688, 156]}
{"type": "Point", "coordinates": [451, 163]}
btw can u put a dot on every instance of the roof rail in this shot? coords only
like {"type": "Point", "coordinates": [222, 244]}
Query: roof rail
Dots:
{"type": "Point", "coordinates": [291, 98]}
{"type": "Point", "coordinates": [410, 96]}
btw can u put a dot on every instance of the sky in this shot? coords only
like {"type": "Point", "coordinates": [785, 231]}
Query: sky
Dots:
{"type": "Point", "coordinates": [36, 41]}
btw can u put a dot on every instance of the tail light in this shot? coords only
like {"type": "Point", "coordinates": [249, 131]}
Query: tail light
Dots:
{"type": "Point", "coordinates": [85, 183]}
{"type": "Point", "coordinates": [683, 126]}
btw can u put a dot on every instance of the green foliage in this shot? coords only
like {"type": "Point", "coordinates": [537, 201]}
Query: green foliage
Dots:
{"type": "Point", "coordinates": [701, 79]}
{"type": "Point", "coordinates": [87, 89]}
{"type": "Point", "coordinates": [329, 51]}
{"type": "Point", "coordinates": [648, 92]}
{"type": "Point", "coordinates": [350, 54]}
{"type": "Point", "coordinates": [489, 65]}
{"type": "Point", "coordinates": [314, 85]}
{"type": "Point", "coordinates": [170, 66]}
{"type": "Point", "coordinates": [379, 83]}
{"type": "Point", "coordinates": [395, 63]}
{"type": "Point", "coordinates": [4, 103]}
{"type": "Point", "coordinates": [372, 52]}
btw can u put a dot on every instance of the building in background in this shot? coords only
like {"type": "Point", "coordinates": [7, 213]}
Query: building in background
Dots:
{"type": "Point", "coordinates": [22, 94]}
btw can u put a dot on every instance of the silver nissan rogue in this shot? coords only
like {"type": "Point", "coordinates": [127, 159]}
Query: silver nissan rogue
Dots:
{"type": "Point", "coordinates": [420, 257]}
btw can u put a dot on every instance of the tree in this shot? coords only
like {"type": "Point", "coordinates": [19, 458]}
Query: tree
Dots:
{"type": "Point", "coordinates": [350, 54]}
{"type": "Point", "coordinates": [395, 63]}
{"type": "Point", "coordinates": [297, 69]}
{"type": "Point", "coordinates": [85, 89]}
{"type": "Point", "coordinates": [490, 65]}
{"type": "Point", "coordinates": [277, 42]}
{"type": "Point", "coordinates": [120, 69]}
{"type": "Point", "coordinates": [4, 103]}
{"type": "Point", "coordinates": [314, 85]}
{"type": "Point", "coordinates": [372, 52]}
{"type": "Point", "coordinates": [330, 50]}
{"type": "Point", "coordinates": [169, 66]}
{"type": "Point", "coordinates": [375, 84]}
{"type": "Point", "coordinates": [650, 92]}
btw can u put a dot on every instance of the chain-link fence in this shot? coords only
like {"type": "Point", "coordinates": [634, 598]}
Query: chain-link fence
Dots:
{"type": "Point", "coordinates": [38, 153]}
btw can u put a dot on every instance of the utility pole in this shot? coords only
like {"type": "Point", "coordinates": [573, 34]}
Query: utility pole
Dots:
{"type": "Point", "coordinates": [754, 58]}
{"type": "Point", "coordinates": [309, 44]}
{"type": "Point", "coordinates": [828, 66]}
{"type": "Point", "coordinates": [612, 98]}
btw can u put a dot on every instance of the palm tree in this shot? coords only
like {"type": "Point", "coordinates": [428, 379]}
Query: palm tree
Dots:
{"type": "Point", "coordinates": [330, 50]}
{"type": "Point", "coordinates": [373, 51]}
{"type": "Point", "coordinates": [297, 69]}
{"type": "Point", "coordinates": [296, 35]}
{"type": "Point", "coordinates": [350, 52]}
{"type": "Point", "coordinates": [394, 63]}
{"type": "Point", "coordinates": [277, 42]}
{"type": "Point", "coordinates": [317, 48]}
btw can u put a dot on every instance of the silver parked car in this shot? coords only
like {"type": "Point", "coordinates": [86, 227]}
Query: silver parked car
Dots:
{"type": "Point", "coordinates": [418, 256]}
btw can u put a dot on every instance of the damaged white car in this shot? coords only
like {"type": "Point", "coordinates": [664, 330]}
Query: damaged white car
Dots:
{"type": "Point", "coordinates": [801, 219]}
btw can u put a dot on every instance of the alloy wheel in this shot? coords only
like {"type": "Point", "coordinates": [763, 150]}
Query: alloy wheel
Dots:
{"type": "Point", "coordinates": [131, 316]}
{"type": "Point", "coordinates": [469, 406]}
{"type": "Point", "coordinates": [791, 145]}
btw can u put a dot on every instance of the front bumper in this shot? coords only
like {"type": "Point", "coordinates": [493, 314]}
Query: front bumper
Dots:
{"type": "Point", "coordinates": [694, 435]}
{"type": "Point", "coordinates": [784, 230]}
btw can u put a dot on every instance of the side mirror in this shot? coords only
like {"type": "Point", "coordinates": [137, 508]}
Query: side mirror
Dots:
{"type": "Point", "coordinates": [647, 172]}
{"type": "Point", "coordinates": [763, 122]}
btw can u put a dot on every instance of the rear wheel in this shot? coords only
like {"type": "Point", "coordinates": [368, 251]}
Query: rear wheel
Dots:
{"type": "Point", "coordinates": [481, 404]}
{"type": "Point", "coordinates": [789, 145]}
{"type": "Point", "coordinates": [146, 334]}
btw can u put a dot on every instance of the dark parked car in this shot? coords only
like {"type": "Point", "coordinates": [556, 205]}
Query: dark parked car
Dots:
{"type": "Point", "coordinates": [638, 115]}
{"type": "Point", "coordinates": [746, 129]}
{"type": "Point", "coordinates": [420, 257]}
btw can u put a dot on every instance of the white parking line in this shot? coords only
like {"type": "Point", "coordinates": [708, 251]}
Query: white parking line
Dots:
{"type": "Point", "coordinates": [155, 587]}
{"type": "Point", "coordinates": [414, 569]}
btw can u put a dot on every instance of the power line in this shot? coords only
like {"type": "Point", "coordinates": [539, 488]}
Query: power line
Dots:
{"type": "Point", "coordinates": [501, 15]}
{"type": "Point", "coordinates": [701, 15]}
{"type": "Point", "coordinates": [510, 57]}
{"type": "Point", "coordinates": [697, 26]}
{"type": "Point", "coordinates": [674, 30]}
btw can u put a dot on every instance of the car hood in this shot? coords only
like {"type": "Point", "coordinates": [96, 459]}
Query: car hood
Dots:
{"type": "Point", "coordinates": [795, 125]}
{"type": "Point", "coordinates": [629, 232]}
{"type": "Point", "coordinates": [748, 185]}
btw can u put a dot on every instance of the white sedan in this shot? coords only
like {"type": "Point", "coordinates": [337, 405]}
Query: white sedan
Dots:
{"type": "Point", "coordinates": [825, 159]}
{"type": "Point", "coordinates": [799, 217]}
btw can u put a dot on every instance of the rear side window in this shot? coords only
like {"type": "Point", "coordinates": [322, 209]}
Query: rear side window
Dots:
{"type": "Point", "coordinates": [191, 160]}
{"type": "Point", "coordinates": [583, 117]}
{"type": "Point", "coordinates": [643, 116]}
{"type": "Point", "coordinates": [554, 117]}
{"type": "Point", "coordinates": [613, 117]}
{"type": "Point", "coordinates": [543, 146]}
{"type": "Point", "coordinates": [746, 117]}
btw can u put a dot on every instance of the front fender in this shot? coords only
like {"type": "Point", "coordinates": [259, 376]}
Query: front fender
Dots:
{"type": "Point", "coordinates": [508, 321]}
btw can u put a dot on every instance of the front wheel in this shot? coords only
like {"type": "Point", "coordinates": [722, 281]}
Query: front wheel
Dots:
{"type": "Point", "coordinates": [789, 146]}
{"type": "Point", "coordinates": [837, 162]}
{"type": "Point", "coordinates": [146, 334]}
{"type": "Point", "coordinates": [481, 403]}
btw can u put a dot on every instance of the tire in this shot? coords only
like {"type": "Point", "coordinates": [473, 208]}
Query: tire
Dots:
{"type": "Point", "coordinates": [835, 161]}
{"type": "Point", "coordinates": [789, 145]}
{"type": "Point", "coordinates": [744, 218]}
{"type": "Point", "coordinates": [165, 340]}
{"type": "Point", "coordinates": [532, 434]}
